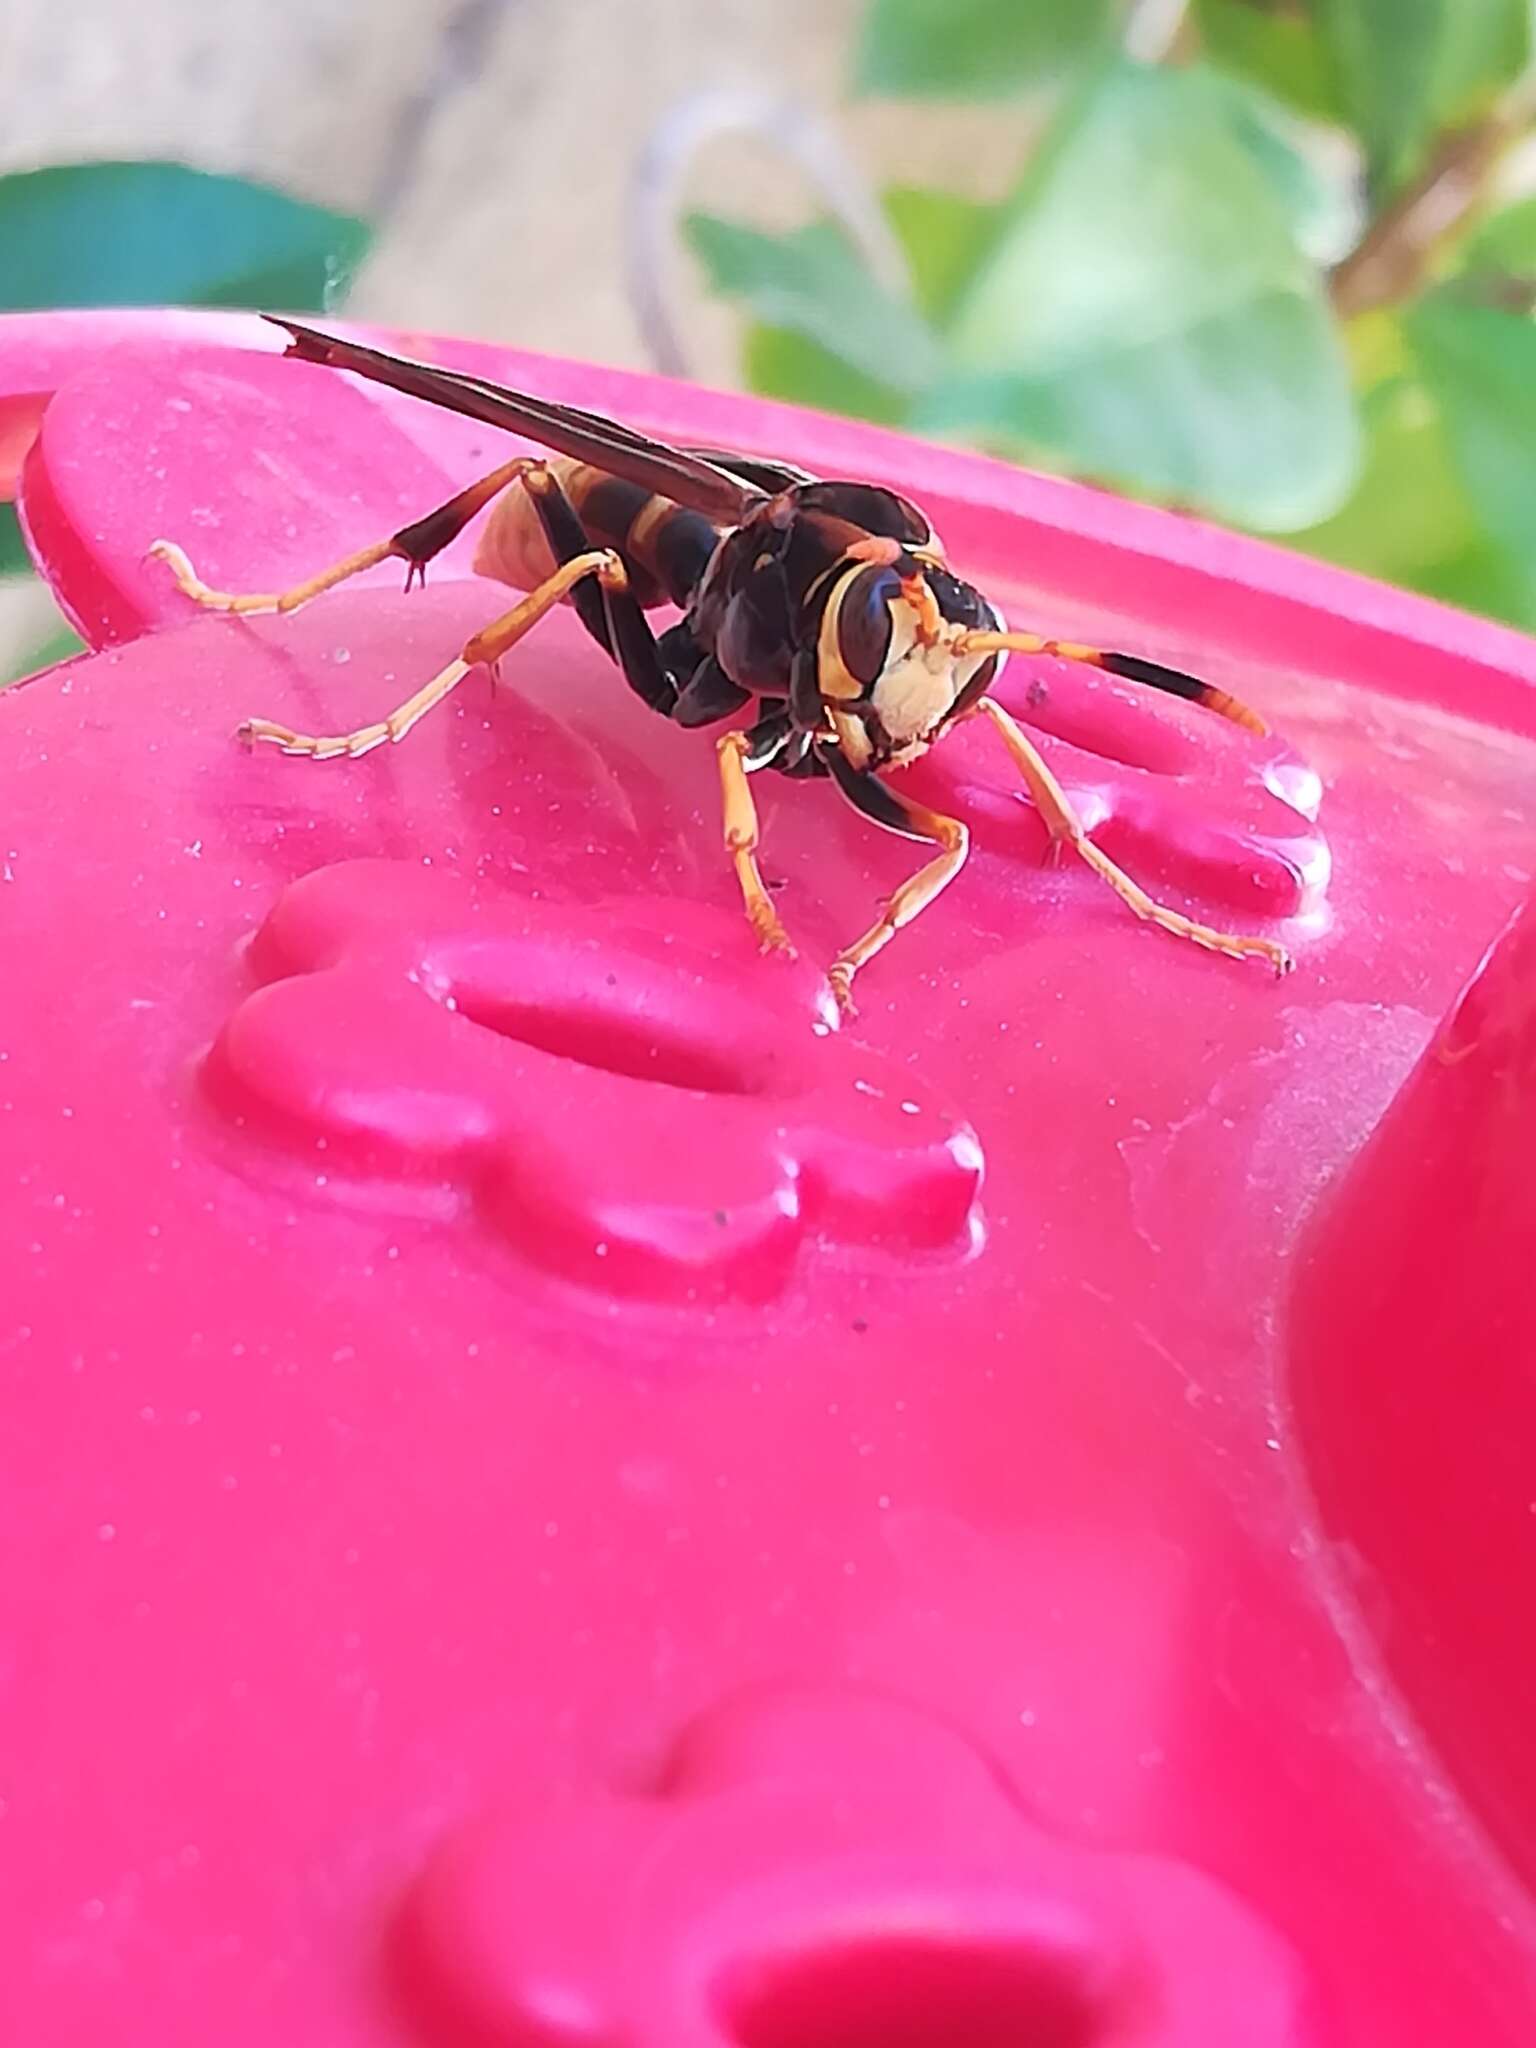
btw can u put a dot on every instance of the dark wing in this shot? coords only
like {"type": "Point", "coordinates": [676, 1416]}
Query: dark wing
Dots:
{"type": "Point", "coordinates": [769, 475]}
{"type": "Point", "coordinates": [684, 476]}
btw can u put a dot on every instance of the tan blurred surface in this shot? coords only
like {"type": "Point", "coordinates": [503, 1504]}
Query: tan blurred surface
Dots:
{"type": "Point", "coordinates": [497, 138]}
{"type": "Point", "coordinates": [493, 142]}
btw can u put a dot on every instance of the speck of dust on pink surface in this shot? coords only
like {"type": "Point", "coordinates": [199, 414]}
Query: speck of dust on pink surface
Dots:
{"type": "Point", "coordinates": [553, 1496]}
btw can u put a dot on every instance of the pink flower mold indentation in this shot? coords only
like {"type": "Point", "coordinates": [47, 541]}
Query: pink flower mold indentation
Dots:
{"type": "Point", "coordinates": [826, 1869]}
{"type": "Point", "coordinates": [1179, 796]}
{"type": "Point", "coordinates": [601, 1086]}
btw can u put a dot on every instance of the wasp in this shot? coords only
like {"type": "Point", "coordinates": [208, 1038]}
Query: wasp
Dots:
{"type": "Point", "coordinates": [826, 607]}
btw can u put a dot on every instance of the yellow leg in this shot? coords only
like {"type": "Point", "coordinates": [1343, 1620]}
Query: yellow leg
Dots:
{"type": "Point", "coordinates": [1063, 824]}
{"type": "Point", "coordinates": [415, 545]}
{"type": "Point", "coordinates": [741, 838]}
{"type": "Point", "coordinates": [486, 646]}
{"type": "Point", "coordinates": [909, 900]}
{"type": "Point", "coordinates": [193, 586]}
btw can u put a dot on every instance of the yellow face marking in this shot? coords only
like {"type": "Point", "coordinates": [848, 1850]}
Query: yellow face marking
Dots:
{"type": "Point", "coordinates": [913, 696]}
{"type": "Point", "coordinates": [852, 738]}
{"type": "Point", "coordinates": [833, 677]}
{"type": "Point", "coordinates": [930, 620]}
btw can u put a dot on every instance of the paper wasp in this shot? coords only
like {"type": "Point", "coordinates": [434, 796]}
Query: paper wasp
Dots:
{"type": "Point", "coordinates": [827, 607]}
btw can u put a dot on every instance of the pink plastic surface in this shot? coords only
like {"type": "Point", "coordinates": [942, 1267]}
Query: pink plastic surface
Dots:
{"type": "Point", "coordinates": [553, 1498]}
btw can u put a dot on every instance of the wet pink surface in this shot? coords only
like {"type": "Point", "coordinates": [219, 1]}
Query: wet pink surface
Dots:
{"type": "Point", "coordinates": [365, 1523]}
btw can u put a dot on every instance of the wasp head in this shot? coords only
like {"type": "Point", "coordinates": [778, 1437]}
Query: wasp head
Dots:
{"type": "Point", "coordinates": [891, 663]}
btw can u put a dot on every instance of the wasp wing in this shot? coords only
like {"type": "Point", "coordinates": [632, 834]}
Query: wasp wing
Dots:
{"type": "Point", "coordinates": [683, 475]}
{"type": "Point", "coordinates": [767, 473]}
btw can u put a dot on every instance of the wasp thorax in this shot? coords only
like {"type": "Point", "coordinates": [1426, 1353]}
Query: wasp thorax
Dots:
{"type": "Point", "coordinates": [889, 659]}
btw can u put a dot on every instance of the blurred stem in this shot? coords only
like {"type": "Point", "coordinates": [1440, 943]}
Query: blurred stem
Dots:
{"type": "Point", "coordinates": [1396, 256]}
{"type": "Point", "coordinates": [656, 192]}
{"type": "Point", "coordinates": [459, 59]}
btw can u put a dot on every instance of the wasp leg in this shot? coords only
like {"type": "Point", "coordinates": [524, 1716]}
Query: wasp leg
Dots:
{"type": "Point", "coordinates": [487, 646]}
{"type": "Point", "coordinates": [1130, 666]}
{"type": "Point", "coordinates": [708, 695]}
{"type": "Point", "coordinates": [737, 757]}
{"type": "Point", "coordinates": [896, 813]}
{"type": "Point", "coordinates": [415, 545]}
{"type": "Point", "coordinates": [1064, 824]}
{"type": "Point", "coordinates": [612, 615]}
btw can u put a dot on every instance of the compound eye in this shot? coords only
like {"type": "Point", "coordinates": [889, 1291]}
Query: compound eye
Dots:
{"type": "Point", "coordinates": [960, 603]}
{"type": "Point", "coordinates": [973, 684]}
{"type": "Point", "coordinates": [864, 622]}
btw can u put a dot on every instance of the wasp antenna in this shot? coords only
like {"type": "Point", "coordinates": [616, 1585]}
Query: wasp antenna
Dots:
{"type": "Point", "coordinates": [1191, 688]}
{"type": "Point", "coordinates": [1152, 674]}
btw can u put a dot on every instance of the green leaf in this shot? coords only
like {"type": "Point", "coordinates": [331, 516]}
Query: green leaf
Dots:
{"type": "Point", "coordinates": [813, 283]}
{"type": "Point", "coordinates": [1480, 368]}
{"type": "Point", "coordinates": [807, 361]}
{"type": "Point", "coordinates": [1324, 215]}
{"type": "Point", "coordinates": [1405, 70]}
{"type": "Point", "coordinates": [14, 559]}
{"type": "Point", "coordinates": [1410, 521]}
{"type": "Point", "coordinates": [780, 364]}
{"type": "Point", "coordinates": [974, 49]}
{"type": "Point", "coordinates": [1495, 265]}
{"type": "Point", "coordinates": [1409, 512]}
{"type": "Point", "coordinates": [1505, 241]}
{"type": "Point", "coordinates": [60, 645]}
{"type": "Point", "coordinates": [133, 234]}
{"type": "Point", "coordinates": [944, 239]}
{"type": "Point", "coordinates": [1483, 578]}
{"type": "Point", "coordinates": [1419, 515]}
{"type": "Point", "coordinates": [1270, 47]}
{"type": "Point", "coordinates": [1147, 317]}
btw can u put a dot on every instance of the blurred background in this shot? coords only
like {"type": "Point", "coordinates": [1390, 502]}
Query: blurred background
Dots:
{"type": "Point", "coordinates": [1272, 261]}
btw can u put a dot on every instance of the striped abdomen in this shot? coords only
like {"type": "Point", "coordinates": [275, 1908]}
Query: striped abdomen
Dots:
{"type": "Point", "coordinates": [665, 546]}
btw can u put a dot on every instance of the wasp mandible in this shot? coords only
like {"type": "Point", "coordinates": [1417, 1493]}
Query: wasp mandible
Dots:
{"type": "Point", "coordinates": [827, 607]}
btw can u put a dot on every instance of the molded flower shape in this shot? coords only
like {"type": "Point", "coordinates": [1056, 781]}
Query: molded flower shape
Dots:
{"type": "Point", "coordinates": [616, 1102]}
{"type": "Point", "coordinates": [828, 1870]}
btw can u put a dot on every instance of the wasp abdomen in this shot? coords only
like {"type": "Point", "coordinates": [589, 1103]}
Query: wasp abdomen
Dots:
{"type": "Point", "coordinates": [664, 544]}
